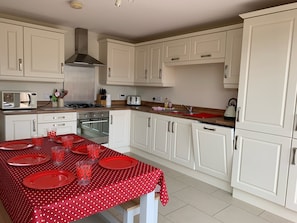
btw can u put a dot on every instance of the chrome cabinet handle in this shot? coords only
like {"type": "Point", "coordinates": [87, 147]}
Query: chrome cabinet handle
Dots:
{"type": "Point", "coordinates": [226, 71]}
{"type": "Point", "coordinates": [172, 127]}
{"type": "Point", "coordinates": [235, 143]}
{"type": "Point", "coordinates": [174, 58]}
{"type": "Point", "coordinates": [160, 73]}
{"type": "Point", "coordinates": [168, 126]}
{"type": "Point", "coordinates": [205, 55]}
{"type": "Point", "coordinates": [294, 154]}
{"type": "Point", "coordinates": [59, 125]}
{"type": "Point", "coordinates": [62, 68]}
{"type": "Point", "coordinates": [149, 122]}
{"type": "Point", "coordinates": [210, 129]}
{"type": "Point", "coordinates": [109, 72]}
{"type": "Point", "coordinates": [145, 74]}
{"type": "Point", "coordinates": [111, 119]}
{"type": "Point", "coordinates": [238, 113]}
{"type": "Point", "coordinates": [59, 117]}
{"type": "Point", "coordinates": [34, 125]}
{"type": "Point", "coordinates": [20, 64]}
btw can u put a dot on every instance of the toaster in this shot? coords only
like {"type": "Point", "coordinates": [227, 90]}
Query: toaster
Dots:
{"type": "Point", "coordinates": [133, 100]}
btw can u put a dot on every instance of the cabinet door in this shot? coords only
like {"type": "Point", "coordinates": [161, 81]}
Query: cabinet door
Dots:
{"type": "Point", "coordinates": [232, 58]}
{"type": "Point", "coordinates": [43, 53]}
{"type": "Point", "coordinates": [119, 128]}
{"type": "Point", "coordinates": [120, 63]}
{"type": "Point", "coordinates": [261, 164]}
{"type": "Point", "coordinates": [213, 149]}
{"type": "Point", "coordinates": [267, 87]}
{"type": "Point", "coordinates": [20, 126]}
{"type": "Point", "coordinates": [11, 50]}
{"type": "Point", "coordinates": [161, 133]}
{"type": "Point", "coordinates": [155, 52]}
{"type": "Point", "coordinates": [210, 46]}
{"type": "Point", "coordinates": [181, 142]}
{"type": "Point", "coordinates": [291, 201]}
{"type": "Point", "coordinates": [177, 50]}
{"type": "Point", "coordinates": [140, 130]}
{"type": "Point", "coordinates": [141, 64]}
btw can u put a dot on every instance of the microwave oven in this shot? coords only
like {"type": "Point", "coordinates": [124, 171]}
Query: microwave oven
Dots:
{"type": "Point", "coordinates": [18, 100]}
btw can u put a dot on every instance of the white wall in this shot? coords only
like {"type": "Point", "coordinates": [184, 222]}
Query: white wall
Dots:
{"type": "Point", "coordinates": [197, 85]}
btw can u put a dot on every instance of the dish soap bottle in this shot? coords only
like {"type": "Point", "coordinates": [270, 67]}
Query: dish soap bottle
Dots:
{"type": "Point", "coordinates": [166, 103]}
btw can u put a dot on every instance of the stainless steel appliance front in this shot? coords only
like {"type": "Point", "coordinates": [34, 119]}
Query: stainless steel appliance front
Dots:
{"type": "Point", "coordinates": [93, 125]}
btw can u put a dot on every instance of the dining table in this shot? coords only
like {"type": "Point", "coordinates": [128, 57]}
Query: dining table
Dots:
{"type": "Point", "coordinates": [69, 201]}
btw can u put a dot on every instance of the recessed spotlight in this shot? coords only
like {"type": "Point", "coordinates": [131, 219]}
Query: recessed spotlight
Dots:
{"type": "Point", "coordinates": [76, 4]}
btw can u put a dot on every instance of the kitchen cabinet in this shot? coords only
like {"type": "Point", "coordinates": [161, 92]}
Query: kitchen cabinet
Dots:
{"type": "Point", "coordinates": [261, 164]}
{"type": "Point", "coordinates": [232, 58]}
{"type": "Point", "coordinates": [119, 60]}
{"type": "Point", "coordinates": [141, 130]}
{"type": "Point", "coordinates": [208, 47]}
{"type": "Point", "coordinates": [171, 139]}
{"type": "Point", "coordinates": [291, 201]}
{"type": "Point", "coordinates": [18, 126]}
{"type": "Point", "coordinates": [268, 80]}
{"type": "Point", "coordinates": [213, 149]}
{"type": "Point", "coordinates": [177, 50]}
{"type": "Point", "coordinates": [31, 53]}
{"type": "Point", "coordinates": [149, 67]}
{"type": "Point", "coordinates": [64, 122]}
{"type": "Point", "coordinates": [119, 129]}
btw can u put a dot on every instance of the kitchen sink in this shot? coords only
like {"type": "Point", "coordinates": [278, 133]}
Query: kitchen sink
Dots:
{"type": "Point", "coordinates": [196, 115]}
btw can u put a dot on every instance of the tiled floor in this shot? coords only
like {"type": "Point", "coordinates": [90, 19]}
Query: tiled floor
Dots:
{"type": "Point", "coordinates": [192, 201]}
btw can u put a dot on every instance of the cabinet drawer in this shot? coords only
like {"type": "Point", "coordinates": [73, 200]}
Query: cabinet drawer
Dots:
{"type": "Point", "coordinates": [56, 117]}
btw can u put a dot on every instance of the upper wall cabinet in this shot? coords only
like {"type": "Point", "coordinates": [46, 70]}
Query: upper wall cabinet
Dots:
{"type": "Point", "coordinates": [149, 68]}
{"type": "Point", "coordinates": [31, 53]}
{"type": "Point", "coordinates": [232, 58]}
{"type": "Point", "coordinates": [177, 50]}
{"type": "Point", "coordinates": [119, 60]}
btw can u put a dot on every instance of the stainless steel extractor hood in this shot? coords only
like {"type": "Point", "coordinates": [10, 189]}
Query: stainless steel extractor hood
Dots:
{"type": "Point", "coordinates": [81, 57]}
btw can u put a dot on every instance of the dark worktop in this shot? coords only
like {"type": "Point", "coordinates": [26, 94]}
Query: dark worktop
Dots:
{"type": "Point", "coordinates": [145, 107]}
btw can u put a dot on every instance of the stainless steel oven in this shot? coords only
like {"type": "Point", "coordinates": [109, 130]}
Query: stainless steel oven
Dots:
{"type": "Point", "coordinates": [93, 125]}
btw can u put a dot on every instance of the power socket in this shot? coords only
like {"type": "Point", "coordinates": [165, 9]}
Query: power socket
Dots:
{"type": "Point", "coordinates": [157, 99]}
{"type": "Point", "coordinates": [122, 97]}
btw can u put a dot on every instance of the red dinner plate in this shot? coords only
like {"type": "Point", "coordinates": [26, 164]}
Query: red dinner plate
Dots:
{"type": "Point", "coordinates": [48, 179]}
{"type": "Point", "coordinates": [18, 145]}
{"type": "Point", "coordinates": [82, 149]}
{"type": "Point", "coordinates": [118, 162]}
{"type": "Point", "coordinates": [28, 159]}
{"type": "Point", "coordinates": [76, 139]}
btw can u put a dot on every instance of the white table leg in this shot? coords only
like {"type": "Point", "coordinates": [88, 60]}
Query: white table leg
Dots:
{"type": "Point", "coordinates": [147, 208]}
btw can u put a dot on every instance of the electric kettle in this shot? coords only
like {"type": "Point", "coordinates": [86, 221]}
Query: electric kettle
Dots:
{"type": "Point", "coordinates": [230, 112]}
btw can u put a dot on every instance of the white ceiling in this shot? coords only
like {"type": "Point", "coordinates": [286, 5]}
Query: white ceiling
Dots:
{"type": "Point", "coordinates": [139, 20]}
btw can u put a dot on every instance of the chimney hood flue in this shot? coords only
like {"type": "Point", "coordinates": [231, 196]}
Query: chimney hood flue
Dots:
{"type": "Point", "coordinates": [81, 57]}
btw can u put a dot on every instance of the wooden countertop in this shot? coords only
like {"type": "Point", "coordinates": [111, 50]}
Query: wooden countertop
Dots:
{"type": "Point", "coordinates": [145, 107]}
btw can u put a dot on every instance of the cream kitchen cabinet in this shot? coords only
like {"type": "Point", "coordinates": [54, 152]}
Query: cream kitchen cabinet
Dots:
{"type": "Point", "coordinates": [119, 129]}
{"type": "Point", "coordinates": [232, 58]}
{"type": "Point", "coordinates": [208, 47]}
{"type": "Point", "coordinates": [141, 130]}
{"type": "Point", "coordinates": [213, 149]}
{"type": "Point", "coordinates": [31, 53]}
{"type": "Point", "coordinates": [268, 80]}
{"type": "Point", "coordinates": [177, 50]}
{"type": "Point", "coordinates": [65, 122]}
{"type": "Point", "coordinates": [149, 67]}
{"type": "Point", "coordinates": [119, 60]}
{"type": "Point", "coordinates": [261, 164]}
{"type": "Point", "coordinates": [18, 126]}
{"type": "Point", "coordinates": [171, 139]}
{"type": "Point", "coordinates": [291, 201]}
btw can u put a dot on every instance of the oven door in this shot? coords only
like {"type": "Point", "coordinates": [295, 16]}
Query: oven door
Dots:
{"type": "Point", "coordinates": [94, 129]}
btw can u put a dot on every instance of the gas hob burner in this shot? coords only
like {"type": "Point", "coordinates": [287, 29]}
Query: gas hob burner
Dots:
{"type": "Point", "coordinates": [82, 105]}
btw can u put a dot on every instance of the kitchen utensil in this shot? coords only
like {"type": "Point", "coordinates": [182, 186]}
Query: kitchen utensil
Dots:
{"type": "Point", "coordinates": [230, 112]}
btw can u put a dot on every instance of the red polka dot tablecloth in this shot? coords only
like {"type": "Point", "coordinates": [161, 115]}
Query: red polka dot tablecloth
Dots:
{"type": "Point", "coordinates": [107, 189]}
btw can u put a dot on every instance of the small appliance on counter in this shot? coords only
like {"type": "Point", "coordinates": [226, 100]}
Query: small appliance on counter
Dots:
{"type": "Point", "coordinates": [133, 100]}
{"type": "Point", "coordinates": [18, 99]}
{"type": "Point", "coordinates": [230, 112]}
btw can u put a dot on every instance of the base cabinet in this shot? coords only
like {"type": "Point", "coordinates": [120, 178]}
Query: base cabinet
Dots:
{"type": "Point", "coordinates": [213, 150]}
{"type": "Point", "coordinates": [65, 123]}
{"type": "Point", "coordinates": [18, 126]}
{"type": "Point", "coordinates": [119, 129]}
{"type": "Point", "coordinates": [261, 164]}
{"type": "Point", "coordinates": [291, 201]}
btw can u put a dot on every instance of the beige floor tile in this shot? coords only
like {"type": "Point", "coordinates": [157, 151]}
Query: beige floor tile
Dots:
{"type": "Point", "coordinates": [274, 219]}
{"type": "Point", "coordinates": [173, 204]}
